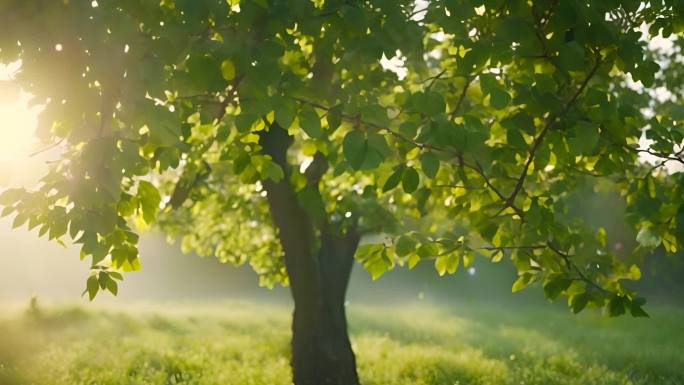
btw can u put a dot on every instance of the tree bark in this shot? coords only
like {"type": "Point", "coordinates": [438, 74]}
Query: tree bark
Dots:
{"type": "Point", "coordinates": [318, 262]}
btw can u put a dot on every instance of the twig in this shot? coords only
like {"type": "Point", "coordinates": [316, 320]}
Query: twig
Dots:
{"type": "Point", "coordinates": [571, 266]}
{"type": "Point", "coordinates": [46, 148]}
{"type": "Point", "coordinates": [549, 123]}
{"type": "Point", "coordinates": [457, 186]}
{"type": "Point", "coordinates": [461, 97]}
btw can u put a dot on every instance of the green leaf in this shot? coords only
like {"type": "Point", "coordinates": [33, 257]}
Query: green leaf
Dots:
{"type": "Point", "coordinates": [273, 171]}
{"type": "Point", "coordinates": [579, 302]}
{"type": "Point", "coordinates": [241, 162]}
{"type": "Point", "coordinates": [447, 263]}
{"type": "Point", "coordinates": [394, 179]}
{"type": "Point", "coordinates": [375, 114]}
{"type": "Point", "coordinates": [497, 256]}
{"type": "Point", "coordinates": [374, 259]}
{"type": "Point", "coordinates": [10, 196]}
{"type": "Point", "coordinates": [405, 245]}
{"type": "Point", "coordinates": [378, 144]}
{"type": "Point", "coordinates": [310, 122]}
{"type": "Point", "coordinates": [616, 306]}
{"type": "Point", "coordinates": [7, 211]}
{"type": "Point", "coordinates": [112, 286]}
{"type": "Point", "coordinates": [637, 311]}
{"type": "Point", "coordinates": [468, 257]}
{"type": "Point", "coordinates": [441, 265]}
{"type": "Point", "coordinates": [586, 139]}
{"type": "Point", "coordinates": [364, 152]}
{"type": "Point", "coordinates": [634, 273]}
{"type": "Point", "coordinates": [428, 103]}
{"type": "Point", "coordinates": [284, 113]}
{"type": "Point", "coordinates": [636, 308]}
{"type": "Point", "coordinates": [92, 287]}
{"type": "Point", "coordinates": [102, 279]}
{"type": "Point", "coordinates": [126, 206]}
{"type": "Point", "coordinates": [648, 237]}
{"type": "Point", "coordinates": [430, 164]}
{"type": "Point", "coordinates": [515, 139]}
{"type": "Point", "coordinates": [367, 250]}
{"type": "Point", "coordinates": [410, 180]}
{"type": "Point", "coordinates": [413, 261]}
{"type": "Point", "coordinates": [488, 83]}
{"type": "Point", "coordinates": [149, 199]}
{"type": "Point", "coordinates": [453, 260]}
{"type": "Point", "coordinates": [354, 147]}
{"type": "Point", "coordinates": [244, 122]}
{"type": "Point", "coordinates": [409, 129]}
{"type": "Point", "coordinates": [334, 118]}
{"type": "Point", "coordinates": [422, 196]}
{"type": "Point", "coordinates": [555, 286]}
{"type": "Point", "coordinates": [571, 57]}
{"type": "Point", "coordinates": [131, 265]}
{"type": "Point", "coordinates": [436, 104]}
{"type": "Point", "coordinates": [228, 69]}
{"type": "Point", "coordinates": [499, 98]}
{"type": "Point", "coordinates": [19, 220]}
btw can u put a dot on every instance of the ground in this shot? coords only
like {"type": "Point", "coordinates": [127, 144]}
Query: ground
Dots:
{"type": "Point", "coordinates": [244, 343]}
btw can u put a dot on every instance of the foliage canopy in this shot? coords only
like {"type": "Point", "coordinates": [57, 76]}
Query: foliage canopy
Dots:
{"type": "Point", "coordinates": [493, 114]}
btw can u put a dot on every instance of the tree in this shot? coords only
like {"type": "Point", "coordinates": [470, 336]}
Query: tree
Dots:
{"type": "Point", "coordinates": [270, 132]}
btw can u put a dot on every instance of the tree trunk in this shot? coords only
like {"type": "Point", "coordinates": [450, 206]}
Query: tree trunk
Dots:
{"type": "Point", "coordinates": [318, 262]}
{"type": "Point", "coordinates": [321, 350]}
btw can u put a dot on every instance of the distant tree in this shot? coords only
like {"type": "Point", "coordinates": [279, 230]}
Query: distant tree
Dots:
{"type": "Point", "coordinates": [268, 132]}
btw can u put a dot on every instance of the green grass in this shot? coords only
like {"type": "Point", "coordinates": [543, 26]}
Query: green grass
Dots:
{"type": "Point", "coordinates": [241, 343]}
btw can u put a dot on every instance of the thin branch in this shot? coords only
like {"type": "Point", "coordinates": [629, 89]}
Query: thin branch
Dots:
{"type": "Point", "coordinates": [539, 33]}
{"type": "Point", "coordinates": [356, 120]}
{"type": "Point", "coordinates": [414, 13]}
{"type": "Point", "coordinates": [461, 97]}
{"type": "Point", "coordinates": [549, 123]}
{"type": "Point", "coordinates": [433, 79]}
{"type": "Point", "coordinates": [46, 148]}
{"type": "Point", "coordinates": [498, 193]}
{"type": "Point", "coordinates": [532, 247]}
{"type": "Point", "coordinates": [675, 157]}
{"type": "Point", "coordinates": [457, 187]}
{"type": "Point", "coordinates": [197, 96]}
{"type": "Point", "coordinates": [572, 267]}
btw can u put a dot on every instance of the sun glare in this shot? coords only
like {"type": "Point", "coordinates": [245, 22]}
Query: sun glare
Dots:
{"type": "Point", "coordinates": [17, 120]}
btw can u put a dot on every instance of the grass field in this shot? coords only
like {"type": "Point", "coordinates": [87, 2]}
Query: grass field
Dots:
{"type": "Point", "coordinates": [242, 343]}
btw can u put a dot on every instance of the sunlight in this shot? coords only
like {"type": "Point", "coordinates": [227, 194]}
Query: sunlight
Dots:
{"type": "Point", "coordinates": [17, 124]}
{"type": "Point", "coordinates": [17, 128]}
{"type": "Point", "coordinates": [19, 121]}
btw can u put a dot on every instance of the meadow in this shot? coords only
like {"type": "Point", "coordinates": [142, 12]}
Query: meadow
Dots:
{"type": "Point", "coordinates": [244, 343]}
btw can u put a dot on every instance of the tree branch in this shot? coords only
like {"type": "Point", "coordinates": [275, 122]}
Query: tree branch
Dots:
{"type": "Point", "coordinates": [46, 148]}
{"type": "Point", "coordinates": [549, 123]}
{"type": "Point", "coordinates": [572, 267]}
{"type": "Point", "coordinates": [461, 97]}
